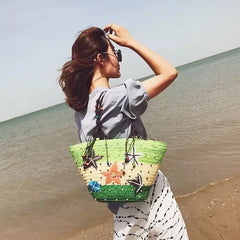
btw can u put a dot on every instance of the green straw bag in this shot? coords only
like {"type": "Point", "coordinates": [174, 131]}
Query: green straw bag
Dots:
{"type": "Point", "coordinates": [118, 170]}
{"type": "Point", "coordinates": [119, 176]}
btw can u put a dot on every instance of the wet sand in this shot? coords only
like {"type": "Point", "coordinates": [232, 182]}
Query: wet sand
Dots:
{"type": "Point", "coordinates": [211, 213]}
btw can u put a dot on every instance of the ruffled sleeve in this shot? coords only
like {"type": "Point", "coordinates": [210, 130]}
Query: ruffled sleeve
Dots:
{"type": "Point", "coordinates": [137, 99]}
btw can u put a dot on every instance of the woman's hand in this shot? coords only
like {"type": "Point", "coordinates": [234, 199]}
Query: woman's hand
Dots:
{"type": "Point", "coordinates": [121, 36]}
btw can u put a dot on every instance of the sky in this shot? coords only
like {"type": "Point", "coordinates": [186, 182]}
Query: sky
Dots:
{"type": "Point", "coordinates": [36, 39]}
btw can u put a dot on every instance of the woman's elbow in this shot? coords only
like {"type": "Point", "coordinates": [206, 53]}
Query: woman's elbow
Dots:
{"type": "Point", "coordinates": [173, 75]}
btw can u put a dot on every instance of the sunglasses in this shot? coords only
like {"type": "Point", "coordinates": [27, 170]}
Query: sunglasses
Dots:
{"type": "Point", "coordinates": [117, 54]}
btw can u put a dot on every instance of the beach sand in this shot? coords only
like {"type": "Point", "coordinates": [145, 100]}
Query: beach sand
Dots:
{"type": "Point", "coordinates": [211, 213]}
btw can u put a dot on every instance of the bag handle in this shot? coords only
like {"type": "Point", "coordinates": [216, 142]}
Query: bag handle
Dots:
{"type": "Point", "coordinates": [98, 133]}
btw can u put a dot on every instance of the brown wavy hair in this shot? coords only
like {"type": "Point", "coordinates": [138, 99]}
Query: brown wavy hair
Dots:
{"type": "Point", "coordinates": [76, 77]}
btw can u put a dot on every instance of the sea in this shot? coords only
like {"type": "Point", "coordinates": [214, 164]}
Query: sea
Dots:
{"type": "Point", "coordinates": [42, 195]}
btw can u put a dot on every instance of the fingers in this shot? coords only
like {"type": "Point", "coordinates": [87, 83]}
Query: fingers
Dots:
{"type": "Point", "coordinates": [108, 27]}
{"type": "Point", "coordinates": [112, 27]}
{"type": "Point", "coordinates": [118, 34]}
{"type": "Point", "coordinates": [113, 37]}
{"type": "Point", "coordinates": [110, 31]}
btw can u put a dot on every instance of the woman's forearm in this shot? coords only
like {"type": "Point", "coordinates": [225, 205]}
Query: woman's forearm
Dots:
{"type": "Point", "coordinates": [165, 72]}
{"type": "Point", "coordinates": [157, 63]}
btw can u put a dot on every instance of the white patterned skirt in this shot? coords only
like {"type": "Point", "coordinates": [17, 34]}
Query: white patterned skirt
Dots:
{"type": "Point", "coordinates": [157, 218]}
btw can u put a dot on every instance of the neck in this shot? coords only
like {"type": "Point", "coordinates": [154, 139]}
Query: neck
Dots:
{"type": "Point", "coordinates": [99, 81]}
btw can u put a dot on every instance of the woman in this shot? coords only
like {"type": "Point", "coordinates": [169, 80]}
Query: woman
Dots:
{"type": "Point", "coordinates": [94, 61]}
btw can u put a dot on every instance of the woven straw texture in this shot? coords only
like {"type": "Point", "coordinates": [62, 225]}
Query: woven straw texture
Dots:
{"type": "Point", "coordinates": [110, 178]}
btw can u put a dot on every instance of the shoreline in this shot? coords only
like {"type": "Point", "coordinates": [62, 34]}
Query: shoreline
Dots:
{"type": "Point", "coordinates": [211, 213]}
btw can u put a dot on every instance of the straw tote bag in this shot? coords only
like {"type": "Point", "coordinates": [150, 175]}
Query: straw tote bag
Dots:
{"type": "Point", "coordinates": [118, 170]}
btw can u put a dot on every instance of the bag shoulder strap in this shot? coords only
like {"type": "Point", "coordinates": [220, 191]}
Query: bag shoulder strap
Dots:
{"type": "Point", "coordinates": [98, 133]}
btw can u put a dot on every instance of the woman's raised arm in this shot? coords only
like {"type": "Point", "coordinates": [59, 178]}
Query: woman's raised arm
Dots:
{"type": "Point", "coordinates": [165, 72]}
